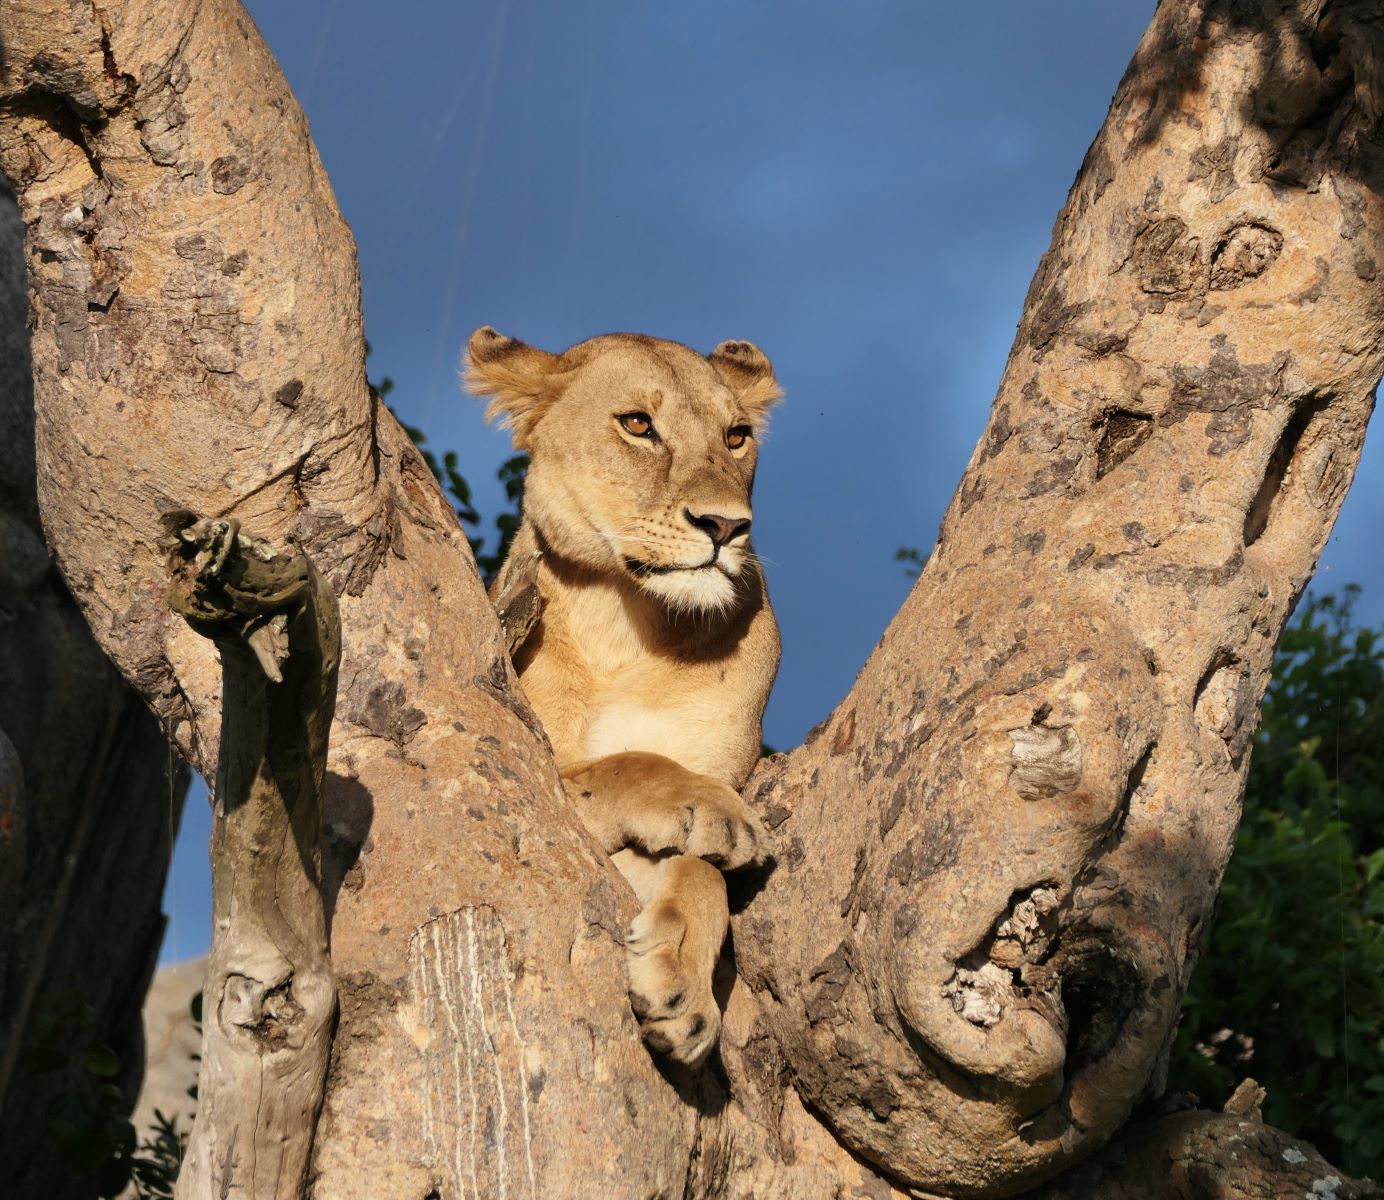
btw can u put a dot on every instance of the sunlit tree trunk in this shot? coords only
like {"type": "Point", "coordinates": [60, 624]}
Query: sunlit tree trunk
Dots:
{"type": "Point", "coordinates": [994, 859]}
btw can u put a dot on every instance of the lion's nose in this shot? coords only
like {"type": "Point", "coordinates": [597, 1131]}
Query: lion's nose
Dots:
{"type": "Point", "coordinates": [719, 529]}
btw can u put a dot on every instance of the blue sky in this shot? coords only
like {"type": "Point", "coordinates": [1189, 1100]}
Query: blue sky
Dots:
{"type": "Point", "coordinates": [863, 190]}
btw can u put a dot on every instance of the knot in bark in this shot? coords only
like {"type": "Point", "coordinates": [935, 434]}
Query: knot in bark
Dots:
{"type": "Point", "coordinates": [1047, 761]}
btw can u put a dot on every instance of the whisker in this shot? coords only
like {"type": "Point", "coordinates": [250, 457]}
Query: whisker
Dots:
{"type": "Point", "coordinates": [612, 536]}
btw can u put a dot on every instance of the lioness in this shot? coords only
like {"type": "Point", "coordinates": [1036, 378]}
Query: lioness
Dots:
{"type": "Point", "coordinates": [654, 647]}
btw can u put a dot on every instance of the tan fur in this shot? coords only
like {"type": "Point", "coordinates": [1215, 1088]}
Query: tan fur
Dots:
{"type": "Point", "coordinates": [655, 647]}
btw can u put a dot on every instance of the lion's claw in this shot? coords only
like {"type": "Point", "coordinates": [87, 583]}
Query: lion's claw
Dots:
{"type": "Point", "coordinates": [708, 821]}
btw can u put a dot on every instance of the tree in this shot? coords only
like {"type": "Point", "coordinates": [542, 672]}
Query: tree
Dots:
{"type": "Point", "coordinates": [90, 799]}
{"type": "Point", "coordinates": [995, 857]}
{"type": "Point", "coordinates": [1287, 991]}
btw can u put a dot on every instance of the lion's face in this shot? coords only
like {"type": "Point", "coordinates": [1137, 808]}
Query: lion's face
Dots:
{"type": "Point", "coordinates": [643, 455]}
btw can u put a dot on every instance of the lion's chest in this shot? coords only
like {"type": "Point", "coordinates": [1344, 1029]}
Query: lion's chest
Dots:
{"type": "Point", "coordinates": [600, 689]}
{"type": "Point", "coordinates": [679, 727]}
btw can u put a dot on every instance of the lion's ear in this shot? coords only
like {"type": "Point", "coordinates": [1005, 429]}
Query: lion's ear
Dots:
{"type": "Point", "coordinates": [521, 380]}
{"type": "Point", "coordinates": [747, 371]}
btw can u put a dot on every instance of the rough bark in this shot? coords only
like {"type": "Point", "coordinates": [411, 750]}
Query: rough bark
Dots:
{"type": "Point", "coordinates": [1206, 1156]}
{"type": "Point", "coordinates": [88, 807]}
{"type": "Point", "coordinates": [996, 856]}
{"type": "Point", "coordinates": [1012, 831]}
{"type": "Point", "coordinates": [197, 345]}
{"type": "Point", "coordinates": [269, 997]}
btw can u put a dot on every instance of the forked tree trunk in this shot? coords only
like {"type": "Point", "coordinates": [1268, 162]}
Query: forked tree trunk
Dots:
{"type": "Point", "coordinates": [994, 860]}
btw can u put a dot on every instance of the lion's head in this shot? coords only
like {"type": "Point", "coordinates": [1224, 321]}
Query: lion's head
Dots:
{"type": "Point", "coordinates": [643, 454]}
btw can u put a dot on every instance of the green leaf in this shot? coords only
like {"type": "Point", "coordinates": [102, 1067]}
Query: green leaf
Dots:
{"type": "Point", "coordinates": [101, 1060]}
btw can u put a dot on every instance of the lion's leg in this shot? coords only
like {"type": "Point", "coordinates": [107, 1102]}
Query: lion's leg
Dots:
{"type": "Point", "coordinates": [641, 806]}
{"type": "Point", "coordinates": [671, 950]}
{"type": "Point", "coordinates": [651, 803]}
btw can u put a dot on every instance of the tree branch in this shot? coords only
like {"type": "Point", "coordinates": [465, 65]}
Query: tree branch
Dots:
{"type": "Point", "coordinates": [197, 345]}
{"type": "Point", "coordinates": [997, 856]}
{"type": "Point", "coordinates": [85, 842]}
{"type": "Point", "coordinates": [269, 993]}
{"type": "Point", "coordinates": [1198, 1155]}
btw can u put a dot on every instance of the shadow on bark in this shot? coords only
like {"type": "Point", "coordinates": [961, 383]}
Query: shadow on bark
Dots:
{"type": "Point", "coordinates": [348, 809]}
{"type": "Point", "coordinates": [1319, 88]}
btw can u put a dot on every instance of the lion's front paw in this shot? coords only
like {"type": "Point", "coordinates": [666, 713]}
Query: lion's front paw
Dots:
{"type": "Point", "coordinates": [648, 802]}
{"type": "Point", "coordinates": [670, 991]}
{"type": "Point", "coordinates": [707, 820]}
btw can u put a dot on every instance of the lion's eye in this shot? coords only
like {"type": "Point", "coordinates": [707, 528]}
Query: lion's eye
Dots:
{"type": "Point", "coordinates": [637, 423]}
{"type": "Point", "coordinates": [737, 436]}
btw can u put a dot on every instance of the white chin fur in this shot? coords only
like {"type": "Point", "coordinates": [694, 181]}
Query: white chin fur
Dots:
{"type": "Point", "coordinates": [705, 589]}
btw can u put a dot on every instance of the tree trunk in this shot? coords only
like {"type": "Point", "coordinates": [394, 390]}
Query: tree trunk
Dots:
{"type": "Point", "coordinates": [994, 859]}
{"type": "Point", "coordinates": [90, 799]}
{"type": "Point", "coordinates": [1044, 757]}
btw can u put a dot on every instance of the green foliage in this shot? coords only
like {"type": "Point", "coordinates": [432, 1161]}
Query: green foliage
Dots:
{"type": "Point", "coordinates": [914, 560]}
{"type": "Point", "coordinates": [85, 1117]}
{"type": "Point", "coordinates": [511, 475]}
{"type": "Point", "coordinates": [1290, 987]}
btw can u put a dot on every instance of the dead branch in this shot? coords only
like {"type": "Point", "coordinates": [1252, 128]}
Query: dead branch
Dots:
{"type": "Point", "coordinates": [269, 996]}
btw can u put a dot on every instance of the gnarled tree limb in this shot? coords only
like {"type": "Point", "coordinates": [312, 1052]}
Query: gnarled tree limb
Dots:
{"type": "Point", "coordinates": [197, 344]}
{"type": "Point", "coordinates": [89, 800]}
{"type": "Point", "coordinates": [1011, 832]}
{"type": "Point", "coordinates": [1206, 1156]}
{"type": "Point", "coordinates": [269, 997]}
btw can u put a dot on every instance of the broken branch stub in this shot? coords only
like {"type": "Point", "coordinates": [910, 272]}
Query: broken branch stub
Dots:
{"type": "Point", "coordinates": [1197, 1155]}
{"type": "Point", "coordinates": [269, 994]}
